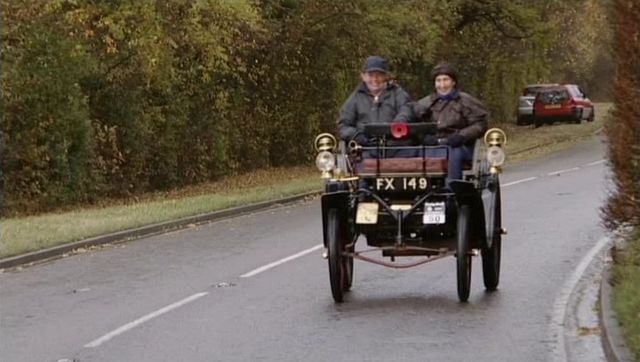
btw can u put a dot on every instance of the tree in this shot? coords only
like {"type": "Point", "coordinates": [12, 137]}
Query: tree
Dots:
{"type": "Point", "coordinates": [118, 98]}
{"type": "Point", "coordinates": [623, 129]}
{"type": "Point", "coordinates": [45, 131]}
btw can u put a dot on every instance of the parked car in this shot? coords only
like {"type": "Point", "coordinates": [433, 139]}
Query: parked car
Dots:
{"type": "Point", "coordinates": [566, 102]}
{"type": "Point", "coordinates": [525, 102]}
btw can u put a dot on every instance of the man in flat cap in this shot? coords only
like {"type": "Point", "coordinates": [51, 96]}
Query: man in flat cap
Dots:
{"type": "Point", "coordinates": [375, 100]}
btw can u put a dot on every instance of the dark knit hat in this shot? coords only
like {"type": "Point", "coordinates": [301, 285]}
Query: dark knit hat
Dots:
{"type": "Point", "coordinates": [376, 63]}
{"type": "Point", "coordinates": [444, 69]}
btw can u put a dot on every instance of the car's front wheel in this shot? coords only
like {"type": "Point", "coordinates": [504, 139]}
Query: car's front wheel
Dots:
{"type": "Point", "coordinates": [463, 255]}
{"type": "Point", "coordinates": [577, 115]}
{"type": "Point", "coordinates": [337, 264]}
{"type": "Point", "coordinates": [491, 252]}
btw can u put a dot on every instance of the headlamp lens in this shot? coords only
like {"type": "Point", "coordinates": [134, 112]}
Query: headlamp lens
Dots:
{"type": "Point", "coordinates": [495, 156]}
{"type": "Point", "coordinates": [325, 161]}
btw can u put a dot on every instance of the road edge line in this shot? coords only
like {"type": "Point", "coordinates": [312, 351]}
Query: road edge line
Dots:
{"type": "Point", "coordinates": [559, 311]}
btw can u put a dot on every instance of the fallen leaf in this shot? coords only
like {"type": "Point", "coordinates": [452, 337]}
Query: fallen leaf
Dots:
{"type": "Point", "coordinates": [588, 331]}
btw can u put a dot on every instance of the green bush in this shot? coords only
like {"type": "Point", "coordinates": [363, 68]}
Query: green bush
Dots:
{"type": "Point", "coordinates": [115, 99]}
{"type": "Point", "coordinates": [45, 132]}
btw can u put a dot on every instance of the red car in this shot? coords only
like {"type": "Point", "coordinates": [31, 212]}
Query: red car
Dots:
{"type": "Point", "coordinates": [566, 102]}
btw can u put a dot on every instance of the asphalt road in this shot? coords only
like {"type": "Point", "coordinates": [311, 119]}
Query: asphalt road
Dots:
{"type": "Point", "coordinates": [254, 288]}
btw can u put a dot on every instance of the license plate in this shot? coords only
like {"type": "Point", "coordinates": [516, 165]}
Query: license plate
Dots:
{"type": "Point", "coordinates": [434, 213]}
{"type": "Point", "coordinates": [367, 213]}
{"type": "Point", "coordinates": [401, 184]}
{"type": "Point", "coordinates": [551, 106]}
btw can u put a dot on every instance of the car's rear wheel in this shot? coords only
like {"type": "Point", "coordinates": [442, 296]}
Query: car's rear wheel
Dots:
{"type": "Point", "coordinates": [463, 256]}
{"type": "Point", "coordinates": [592, 115]}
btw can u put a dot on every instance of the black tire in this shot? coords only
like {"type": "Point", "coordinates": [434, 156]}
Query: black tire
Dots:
{"type": "Point", "coordinates": [337, 275]}
{"type": "Point", "coordinates": [537, 123]}
{"type": "Point", "coordinates": [463, 257]}
{"type": "Point", "coordinates": [348, 268]}
{"type": "Point", "coordinates": [578, 116]}
{"type": "Point", "coordinates": [592, 116]}
{"type": "Point", "coordinates": [491, 252]}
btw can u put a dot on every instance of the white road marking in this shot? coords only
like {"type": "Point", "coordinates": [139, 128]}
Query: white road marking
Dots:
{"type": "Point", "coordinates": [554, 173]}
{"type": "Point", "coordinates": [595, 163]}
{"type": "Point", "coordinates": [559, 306]}
{"type": "Point", "coordinates": [561, 303]}
{"type": "Point", "coordinates": [142, 320]}
{"type": "Point", "coordinates": [519, 181]}
{"type": "Point", "coordinates": [281, 261]}
{"type": "Point", "coordinates": [304, 252]}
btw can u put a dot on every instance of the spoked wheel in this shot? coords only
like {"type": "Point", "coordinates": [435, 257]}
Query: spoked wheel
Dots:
{"type": "Point", "coordinates": [491, 252]}
{"type": "Point", "coordinates": [462, 253]}
{"type": "Point", "coordinates": [339, 276]}
{"type": "Point", "coordinates": [348, 268]}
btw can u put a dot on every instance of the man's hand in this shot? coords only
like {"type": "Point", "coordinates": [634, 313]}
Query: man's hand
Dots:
{"type": "Point", "coordinates": [455, 140]}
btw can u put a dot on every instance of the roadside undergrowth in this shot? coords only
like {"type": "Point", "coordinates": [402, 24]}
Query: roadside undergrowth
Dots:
{"type": "Point", "coordinates": [626, 292]}
{"type": "Point", "coordinates": [23, 233]}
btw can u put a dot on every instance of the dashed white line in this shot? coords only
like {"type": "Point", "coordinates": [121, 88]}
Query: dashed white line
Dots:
{"type": "Point", "coordinates": [304, 252]}
{"type": "Point", "coordinates": [142, 320]}
{"type": "Point", "coordinates": [595, 163]}
{"type": "Point", "coordinates": [560, 302]}
{"type": "Point", "coordinates": [519, 181]}
{"type": "Point", "coordinates": [555, 173]}
{"type": "Point", "coordinates": [281, 261]}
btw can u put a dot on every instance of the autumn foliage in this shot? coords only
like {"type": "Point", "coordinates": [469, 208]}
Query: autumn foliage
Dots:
{"type": "Point", "coordinates": [623, 129]}
{"type": "Point", "coordinates": [111, 99]}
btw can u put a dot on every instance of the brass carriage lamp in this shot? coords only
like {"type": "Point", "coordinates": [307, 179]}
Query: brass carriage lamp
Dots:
{"type": "Point", "coordinates": [494, 139]}
{"type": "Point", "coordinates": [325, 144]}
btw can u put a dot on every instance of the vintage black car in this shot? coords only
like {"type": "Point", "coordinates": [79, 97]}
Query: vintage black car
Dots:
{"type": "Point", "coordinates": [404, 206]}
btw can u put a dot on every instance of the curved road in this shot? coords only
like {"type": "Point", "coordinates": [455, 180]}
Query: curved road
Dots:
{"type": "Point", "coordinates": [255, 288]}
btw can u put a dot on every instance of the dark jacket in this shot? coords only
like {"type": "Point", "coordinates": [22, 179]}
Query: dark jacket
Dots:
{"type": "Point", "coordinates": [463, 114]}
{"type": "Point", "coordinates": [361, 108]}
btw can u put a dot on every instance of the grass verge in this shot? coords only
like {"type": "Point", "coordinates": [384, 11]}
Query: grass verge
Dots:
{"type": "Point", "coordinates": [626, 293]}
{"type": "Point", "coordinates": [28, 233]}
{"type": "Point", "coordinates": [23, 234]}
